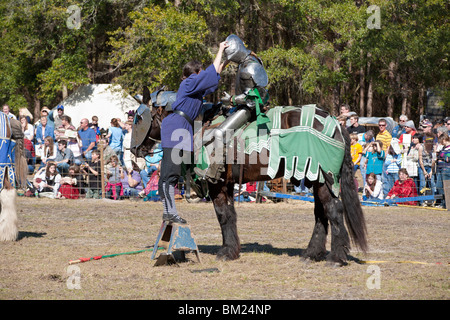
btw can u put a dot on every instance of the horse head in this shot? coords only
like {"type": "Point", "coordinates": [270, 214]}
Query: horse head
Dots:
{"type": "Point", "coordinates": [146, 131]}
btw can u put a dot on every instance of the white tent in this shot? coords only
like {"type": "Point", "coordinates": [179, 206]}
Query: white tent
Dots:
{"type": "Point", "coordinates": [106, 101]}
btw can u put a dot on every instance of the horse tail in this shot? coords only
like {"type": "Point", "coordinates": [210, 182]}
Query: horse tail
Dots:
{"type": "Point", "coordinates": [353, 213]}
{"type": "Point", "coordinates": [21, 166]}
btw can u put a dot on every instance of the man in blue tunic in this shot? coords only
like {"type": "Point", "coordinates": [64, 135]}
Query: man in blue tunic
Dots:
{"type": "Point", "coordinates": [177, 130]}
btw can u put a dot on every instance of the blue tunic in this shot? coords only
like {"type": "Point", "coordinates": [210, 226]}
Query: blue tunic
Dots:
{"type": "Point", "coordinates": [176, 132]}
{"type": "Point", "coordinates": [7, 147]}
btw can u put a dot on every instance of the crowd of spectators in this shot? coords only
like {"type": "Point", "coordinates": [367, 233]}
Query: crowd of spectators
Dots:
{"type": "Point", "coordinates": [407, 162]}
{"type": "Point", "coordinates": [64, 160]}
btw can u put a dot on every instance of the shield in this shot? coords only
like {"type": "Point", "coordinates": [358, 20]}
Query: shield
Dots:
{"type": "Point", "coordinates": [141, 126]}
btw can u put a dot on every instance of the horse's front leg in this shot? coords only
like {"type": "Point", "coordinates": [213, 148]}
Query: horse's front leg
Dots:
{"type": "Point", "coordinates": [222, 197]}
{"type": "Point", "coordinates": [316, 250]}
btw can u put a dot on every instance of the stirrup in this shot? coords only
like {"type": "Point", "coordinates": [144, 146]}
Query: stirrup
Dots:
{"type": "Point", "coordinates": [201, 173]}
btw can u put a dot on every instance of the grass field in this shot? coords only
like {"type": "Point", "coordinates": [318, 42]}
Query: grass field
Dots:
{"type": "Point", "coordinates": [273, 236]}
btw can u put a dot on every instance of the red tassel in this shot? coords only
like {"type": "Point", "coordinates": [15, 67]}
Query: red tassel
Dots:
{"type": "Point", "coordinates": [97, 257]}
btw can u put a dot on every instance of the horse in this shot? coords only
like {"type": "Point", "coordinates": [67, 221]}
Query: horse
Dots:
{"type": "Point", "coordinates": [13, 168]}
{"type": "Point", "coordinates": [328, 209]}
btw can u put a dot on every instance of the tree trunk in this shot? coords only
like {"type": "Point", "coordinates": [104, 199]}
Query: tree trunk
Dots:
{"type": "Point", "coordinates": [336, 88]}
{"type": "Point", "coordinates": [362, 88]}
{"type": "Point", "coordinates": [64, 91]}
{"type": "Point", "coordinates": [390, 98]}
{"type": "Point", "coordinates": [369, 106]}
{"type": "Point", "coordinates": [421, 102]}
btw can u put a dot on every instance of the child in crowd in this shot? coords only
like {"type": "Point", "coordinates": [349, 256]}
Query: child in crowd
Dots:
{"type": "Point", "coordinates": [375, 158]}
{"type": "Point", "coordinates": [356, 151]}
{"type": "Point", "coordinates": [47, 181]}
{"type": "Point", "coordinates": [391, 166]}
{"type": "Point", "coordinates": [131, 181]}
{"type": "Point", "coordinates": [114, 188]}
{"type": "Point", "coordinates": [373, 188]}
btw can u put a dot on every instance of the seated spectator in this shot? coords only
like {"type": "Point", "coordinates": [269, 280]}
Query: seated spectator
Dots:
{"type": "Point", "coordinates": [88, 139]}
{"type": "Point", "coordinates": [66, 131]}
{"type": "Point", "coordinates": [404, 187]}
{"type": "Point", "coordinates": [43, 130]}
{"type": "Point", "coordinates": [131, 181]}
{"type": "Point", "coordinates": [152, 163]}
{"type": "Point", "coordinates": [247, 194]}
{"type": "Point", "coordinates": [71, 184]}
{"type": "Point", "coordinates": [93, 170]}
{"type": "Point", "coordinates": [150, 192]}
{"type": "Point", "coordinates": [373, 188]}
{"type": "Point", "coordinates": [47, 181]}
{"type": "Point", "coordinates": [114, 188]}
{"type": "Point", "coordinates": [30, 155]}
{"type": "Point", "coordinates": [64, 157]}
{"type": "Point", "coordinates": [27, 128]}
{"type": "Point", "coordinates": [49, 152]}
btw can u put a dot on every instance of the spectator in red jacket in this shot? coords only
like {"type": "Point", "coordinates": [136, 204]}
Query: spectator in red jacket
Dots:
{"type": "Point", "coordinates": [404, 187]}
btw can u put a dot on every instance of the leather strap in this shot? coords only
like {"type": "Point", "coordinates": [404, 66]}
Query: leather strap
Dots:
{"type": "Point", "coordinates": [184, 115]}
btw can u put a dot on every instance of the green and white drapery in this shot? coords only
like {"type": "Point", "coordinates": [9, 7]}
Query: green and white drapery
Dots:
{"type": "Point", "coordinates": [307, 152]}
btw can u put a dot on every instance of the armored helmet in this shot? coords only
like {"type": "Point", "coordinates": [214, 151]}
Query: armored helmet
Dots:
{"type": "Point", "coordinates": [236, 50]}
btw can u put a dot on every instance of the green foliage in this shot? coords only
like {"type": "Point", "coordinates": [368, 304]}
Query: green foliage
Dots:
{"type": "Point", "coordinates": [153, 50]}
{"type": "Point", "coordinates": [313, 50]}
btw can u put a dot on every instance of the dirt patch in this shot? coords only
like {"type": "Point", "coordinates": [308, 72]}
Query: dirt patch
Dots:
{"type": "Point", "coordinates": [273, 236]}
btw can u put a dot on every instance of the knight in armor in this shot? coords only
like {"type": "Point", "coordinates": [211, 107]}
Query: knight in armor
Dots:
{"type": "Point", "coordinates": [250, 94]}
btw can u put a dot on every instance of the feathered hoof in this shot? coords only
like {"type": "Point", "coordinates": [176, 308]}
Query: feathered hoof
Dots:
{"type": "Point", "coordinates": [335, 263]}
{"type": "Point", "coordinates": [227, 254]}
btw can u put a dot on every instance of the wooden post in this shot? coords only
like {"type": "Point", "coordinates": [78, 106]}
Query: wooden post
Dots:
{"type": "Point", "coordinates": [101, 146]}
{"type": "Point", "coordinates": [285, 189]}
{"type": "Point", "coordinates": [446, 185]}
{"type": "Point", "coordinates": [259, 188]}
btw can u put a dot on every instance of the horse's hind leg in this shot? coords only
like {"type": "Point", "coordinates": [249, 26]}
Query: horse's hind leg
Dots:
{"type": "Point", "coordinates": [316, 250]}
{"type": "Point", "coordinates": [222, 197]}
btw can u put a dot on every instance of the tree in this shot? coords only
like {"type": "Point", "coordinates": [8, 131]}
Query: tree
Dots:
{"type": "Point", "coordinates": [154, 48]}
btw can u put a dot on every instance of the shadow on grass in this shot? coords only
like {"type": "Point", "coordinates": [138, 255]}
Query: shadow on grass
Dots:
{"type": "Point", "coordinates": [266, 248]}
{"type": "Point", "coordinates": [26, 234]}
{"type": "Point", "coordinates": [255, 247]}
